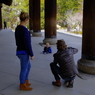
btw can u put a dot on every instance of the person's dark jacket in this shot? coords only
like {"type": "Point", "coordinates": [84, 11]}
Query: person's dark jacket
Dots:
{"type": "Point", "coordinates": [65, 60]}
{"type": "Point", "coordinates": [23, 40]}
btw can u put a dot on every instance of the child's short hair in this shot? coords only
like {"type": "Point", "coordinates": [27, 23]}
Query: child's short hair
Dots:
{"type": "Point", "coordinates": [47, 44]}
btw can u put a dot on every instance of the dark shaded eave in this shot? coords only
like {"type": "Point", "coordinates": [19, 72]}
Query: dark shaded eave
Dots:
{"type": "Point", "coordinates": [7, 2]}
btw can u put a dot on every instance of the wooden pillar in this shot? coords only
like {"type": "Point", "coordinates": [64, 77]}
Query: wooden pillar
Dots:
{"type": "Point", "coordinates": [0, 15]}
{"type": "Point", "coordinates": [36, 18]}
{"type": "Point", "coordinates": [50, 22]}
{"type": "Point", "coordinates": [31, 15]}
{"type": "Point", "coordinates": [87, 61]}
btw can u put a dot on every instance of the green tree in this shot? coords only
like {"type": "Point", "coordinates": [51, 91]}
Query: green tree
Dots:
{"type": "Point", "coordinates": [11, 13]}
{"type": "Point", "coordinates": [42, 14]}
{"type": "Point", "coordinates": [66, 7]}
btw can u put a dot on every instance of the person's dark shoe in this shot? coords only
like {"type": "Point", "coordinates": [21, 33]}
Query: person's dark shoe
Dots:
{"type": "Point", "coordinates": [56, 83]}
{"type": "Point", "coordinates": [69, 84]}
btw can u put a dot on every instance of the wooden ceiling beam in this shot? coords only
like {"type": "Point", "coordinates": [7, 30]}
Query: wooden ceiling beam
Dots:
{"type": "Point", "coordinates": [7, 2]}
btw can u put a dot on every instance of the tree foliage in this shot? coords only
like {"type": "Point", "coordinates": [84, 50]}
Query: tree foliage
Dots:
{"type": "Point", "coordinates": [42, 14]}
{"type": "Point", "coordinates": [64, 8]}
{"type": "Point", "coordinates": [10, 13]}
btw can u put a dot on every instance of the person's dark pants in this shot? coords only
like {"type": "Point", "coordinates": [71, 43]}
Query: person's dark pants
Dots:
{"type": "Point", "coordinates": [56, 72]}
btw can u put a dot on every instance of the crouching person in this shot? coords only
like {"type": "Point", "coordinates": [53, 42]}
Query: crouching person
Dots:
{"type": "Point", "coordinates": [63, 65]}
